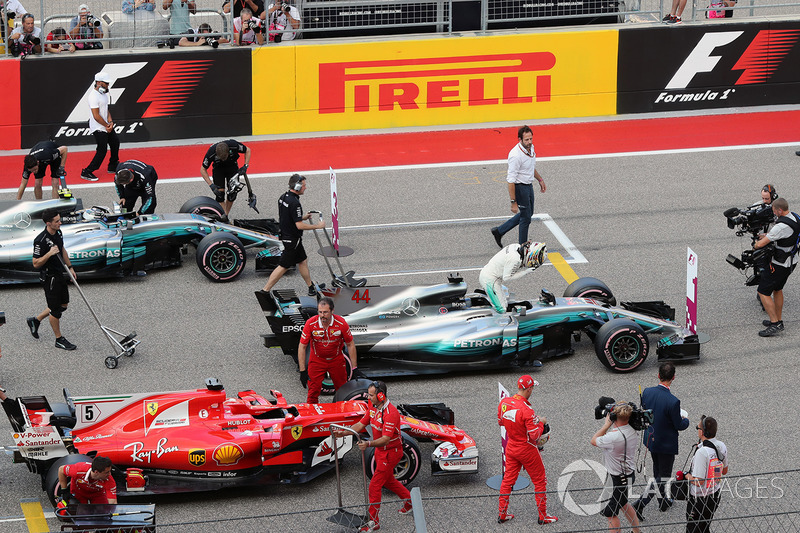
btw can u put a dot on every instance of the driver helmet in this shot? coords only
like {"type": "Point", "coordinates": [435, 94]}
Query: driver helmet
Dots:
{"type": "Point", "coordinates": [545, 436]}
{"type": "Point", "coordinates": [534, 257]}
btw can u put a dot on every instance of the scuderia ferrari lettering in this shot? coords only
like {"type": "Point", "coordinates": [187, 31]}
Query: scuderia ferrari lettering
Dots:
{"type": "Point", "coordinates": [477, 343]}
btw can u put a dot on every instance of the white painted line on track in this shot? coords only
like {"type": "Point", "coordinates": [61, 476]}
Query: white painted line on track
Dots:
{"type": "Point", "coordinates": [459, 164]}
{"type": "Point", "coordinates": [440, 271]}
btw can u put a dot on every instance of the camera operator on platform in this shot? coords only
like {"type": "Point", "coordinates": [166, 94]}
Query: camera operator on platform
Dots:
{"type": "Point", "coordinates": [618, 441]}
{"type": "Point", "coordinates": [84, 28]}
{"type": "Point", "coordinates": [784, 234]}
{"type": "Point", "coordinates": [281, 15]}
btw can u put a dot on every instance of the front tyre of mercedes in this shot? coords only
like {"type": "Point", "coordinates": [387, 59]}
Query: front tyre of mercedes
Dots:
{"type": "Point", "coordinates": [621, 345]}
{"type": "Point", "coordinates": [221, 256]}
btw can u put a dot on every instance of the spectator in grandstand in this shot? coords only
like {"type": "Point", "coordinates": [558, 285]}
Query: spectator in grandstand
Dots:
{"type": "Point", "coordinates": [128, 6]}
{"type": "Point", "coordinates": [57, 42]}
{"type": "Point", "coordinates": [247, 29]}
{"type": "Point", "coordinates": [84, 28]}
{"type": "Point", "coordinates": [195, 37]}
{"type": "Point", "coordinates": [25, 38]}
{"type": "Point", "coordinates": [720, 9]}
{"type": "Point", "coordinates": [255, 6]}
{"type": "Point", "coordinates": [179, 17]}
{"type": "Point", "coordinates": [281, 16]}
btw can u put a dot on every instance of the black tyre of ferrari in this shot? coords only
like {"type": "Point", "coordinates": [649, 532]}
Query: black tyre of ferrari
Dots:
{"type": "Point", "coordinates": [621, 345]}
{"type": "Point", "coordinates": [327, 383]}
{"type": "Point", "coordinates": [355, 389]}
{"type": "Point", "coordinates": [221, 256]}
{"type": "Point", "coordinates": [203, 205]}
{"type": "Point", "coordinates": [590, 288]}
{"type": "Point", "coordinates": [51, 479]}
{"type": "Point", "coordinates": [408, 467]}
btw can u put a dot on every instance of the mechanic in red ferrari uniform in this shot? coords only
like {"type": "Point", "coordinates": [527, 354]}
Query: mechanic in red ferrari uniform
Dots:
{"type": "Point", "coordinates": [327, 334]}
{"type": "Point", "coordinates": [523, 428]}
{"type": "Point", "coordinates": [384, 418]}
{"type": "Point", "coordinates": [88, 482]}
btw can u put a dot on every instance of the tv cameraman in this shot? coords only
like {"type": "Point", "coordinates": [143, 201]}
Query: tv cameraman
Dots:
{"type": "Point", "coordinates": [618, 441]}
{"type": "Point", "coordinates": [26, 38]}
{"type": "Point", "coordinates": [784, 234]}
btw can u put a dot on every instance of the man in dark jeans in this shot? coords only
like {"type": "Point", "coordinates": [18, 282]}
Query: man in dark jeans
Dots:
{"type": "Point", "coordinates": [661, 438]}
{"type": "Point", "coordinates": [102, 127]}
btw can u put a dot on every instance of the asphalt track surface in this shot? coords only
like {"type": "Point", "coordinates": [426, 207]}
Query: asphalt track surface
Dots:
{"type": "Point", "coordinates": [632, 217]}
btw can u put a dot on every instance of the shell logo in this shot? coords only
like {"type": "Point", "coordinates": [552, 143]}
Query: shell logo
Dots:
{"type": "Point", "coordinates": [227, 454]}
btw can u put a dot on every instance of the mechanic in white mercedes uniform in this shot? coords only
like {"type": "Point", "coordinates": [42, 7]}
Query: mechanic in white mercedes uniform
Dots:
{"type": "Point", "coordinates": [512, 262]}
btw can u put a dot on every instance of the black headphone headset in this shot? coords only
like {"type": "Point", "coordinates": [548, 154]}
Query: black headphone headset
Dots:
{"type": "Point", "coordinates": [771, 190]}
{"type": "Point", "coordinates": [703, 418]}
{"type": "Point", "coordinates": [380, 391]}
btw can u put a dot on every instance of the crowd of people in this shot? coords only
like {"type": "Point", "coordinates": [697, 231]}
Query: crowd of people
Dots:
{"type": "Point", "coordinates": [253, 23]}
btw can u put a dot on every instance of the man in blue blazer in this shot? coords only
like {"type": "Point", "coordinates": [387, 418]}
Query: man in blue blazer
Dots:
{"type": "Point", "coordinates": [661, 438]}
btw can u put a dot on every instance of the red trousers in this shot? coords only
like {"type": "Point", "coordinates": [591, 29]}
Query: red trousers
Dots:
{"type": "Point", "coordinates": [317, 368]}
{"type": "Point", "coordinates": [530, 459]}
{"type": "Point", "coordinates": [383, 477]}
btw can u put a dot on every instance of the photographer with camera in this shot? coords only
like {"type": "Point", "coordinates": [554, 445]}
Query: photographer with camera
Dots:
{"type": "Point", "coordinates": [85, 29]}
{"type": "Point", "coordinates": [281, 16]}
{"type": "Point", "coordinates": [247, 29]}
{"type": "Point", "coordinates": [57, 42]}
{"type": "Point", "coordinates": [10, 10]}
{"type": "Point", "coordinates": [784, 234]}
{"type": "Point", "coordinates": [524, 430]}
{"type": "Point", "coordinates": [179, 24]}
{"type": "Point", "coordinates": [224, 157]}
{"type": "Point", "coordinates": [661, 438]}
{"type": "Point", "coordinates": [195, 38]}
{"type": "Point", "coordinates": [25, 38]}
{"type": "Point", "coordinates": [618, 441]}
{"type": "Point", "coordinates": [710, 462]}
{"type": "Point", "coordinates": [255, 6]}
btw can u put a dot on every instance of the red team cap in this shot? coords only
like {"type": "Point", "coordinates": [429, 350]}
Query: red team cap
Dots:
{"type": "Point", "coordinates": [526, 382]}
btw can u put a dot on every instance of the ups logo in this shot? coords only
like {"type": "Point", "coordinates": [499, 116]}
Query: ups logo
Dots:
{"type": "Point", "coordinates": [197, 457]}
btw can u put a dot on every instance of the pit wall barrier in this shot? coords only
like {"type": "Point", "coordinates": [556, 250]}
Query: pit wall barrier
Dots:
{"type": "Point", "coordinates": [298, 87]}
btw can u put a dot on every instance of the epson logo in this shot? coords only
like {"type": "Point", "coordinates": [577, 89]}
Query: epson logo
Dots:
{"type": "Point", "coordinates": [291, 329]}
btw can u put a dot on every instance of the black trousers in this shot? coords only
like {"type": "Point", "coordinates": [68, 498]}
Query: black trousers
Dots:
{"type": "Point", "coordinates": [104, 141]}
{"type": "Point", "coordinates": [662, 472]}
{"type": "Point", "coordinates": [700, 511]}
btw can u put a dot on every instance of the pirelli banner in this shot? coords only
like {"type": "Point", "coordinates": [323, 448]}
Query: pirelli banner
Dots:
{"type": "Point", "coordinates": [434, 81]}
{"type": "Point", "coordinates": [156, 95]}
{"type": "Point", "coordinates": [708, 66]}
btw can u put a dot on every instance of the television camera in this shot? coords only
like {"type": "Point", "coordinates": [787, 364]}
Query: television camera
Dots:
{"type": "Point", "coordinates": [754, 221]}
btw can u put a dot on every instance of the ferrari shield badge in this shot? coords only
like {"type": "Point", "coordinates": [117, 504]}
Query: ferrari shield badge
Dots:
{"type": "Point", "coordinates": [297, 431]}
{"type": "Point", "coordinates": [152, 408]}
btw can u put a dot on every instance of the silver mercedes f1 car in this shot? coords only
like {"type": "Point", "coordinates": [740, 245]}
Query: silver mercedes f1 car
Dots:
{"type": "Point", "coordinates": [104, 242]}
{"type": "Point", "coordinates": [410, 330]}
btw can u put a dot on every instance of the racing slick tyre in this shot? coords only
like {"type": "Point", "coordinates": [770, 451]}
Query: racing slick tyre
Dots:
{"type": "Point", "coordinates": [221, 256]}
{"type": "Point", "coordinates": [51, 479]}
{"type": "Point", "coordinates": [621, 345]}
{"type": "Point", "coordinates": [590, 288]}
{"type": "Point", "coordinates": [356, 389]}
{"type": "Point", "coordinates": [327, 383]}
{"type": "Point", "coordinates": [408, 467]}
{"type": "Point", "coordinates": [203, 205]}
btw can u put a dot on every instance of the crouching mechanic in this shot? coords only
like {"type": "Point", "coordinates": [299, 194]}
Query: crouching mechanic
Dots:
{"type": "Point", "coordinates": [512, 262]}
{"type": "Point", "coordinates": [327, 334]}
{"type": "Point", "coordinates": [135, 180]}
{"type": "Point", "coordinates": [87, 482]}
{"type": "Point", "coordinates": [224, 157]}
{"type": "Point", "coordinates": [524, 430]}
{"type": "Point", "coordinates": [43, 154]}
{"type": "Point", "coordinates": [618, 441]}
{"type": "Point", "coordinates": [384, 418]}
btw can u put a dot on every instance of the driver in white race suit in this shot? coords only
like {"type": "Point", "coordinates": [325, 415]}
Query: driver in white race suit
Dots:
{"type": "Point", "coordinates": [512, 262]}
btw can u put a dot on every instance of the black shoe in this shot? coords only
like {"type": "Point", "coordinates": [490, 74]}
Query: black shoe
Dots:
{"type": "Point", "coordinates": [779, 324]}
{"type": "Point", "coordinates": [666, 18]}
{"type": "Point", "coordinates": [638, 507]}
{"type": "Point", "coordinates": [498, 238]}
{"type": "Point", "coordinates": [772, 330]}
{"type": "Point", "coordinates": [312, 289]}
{"type": "Point", "coordinates": [64, 344]}
{"type": "Point", "coordinates": [665, 504]}
{"type": "Point", "coordinates": [88, 175]}
{"type": "Point", "coordinates": [112, 167]}
{"type": "Point", "coordinates": [797, 152]}
{"type": "Point", "coordinates": [33, 323]}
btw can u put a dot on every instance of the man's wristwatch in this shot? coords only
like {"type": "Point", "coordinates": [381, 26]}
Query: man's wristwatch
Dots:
{"type": "Point", "coordinates": [513, 201]}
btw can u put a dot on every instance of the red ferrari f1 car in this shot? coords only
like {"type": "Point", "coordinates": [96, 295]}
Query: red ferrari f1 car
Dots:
{"type": "Point", "coordinates": [202, 440]}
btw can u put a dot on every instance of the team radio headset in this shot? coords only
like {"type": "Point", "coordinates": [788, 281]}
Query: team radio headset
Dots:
{"type": "Point", "coordinates": [380, 395]}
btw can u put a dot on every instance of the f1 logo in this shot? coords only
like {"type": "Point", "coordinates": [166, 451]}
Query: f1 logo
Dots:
{"type": "Point", "coordinates": [81, 112]}
{"type": "Point", "coordinates": [700, 59]}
